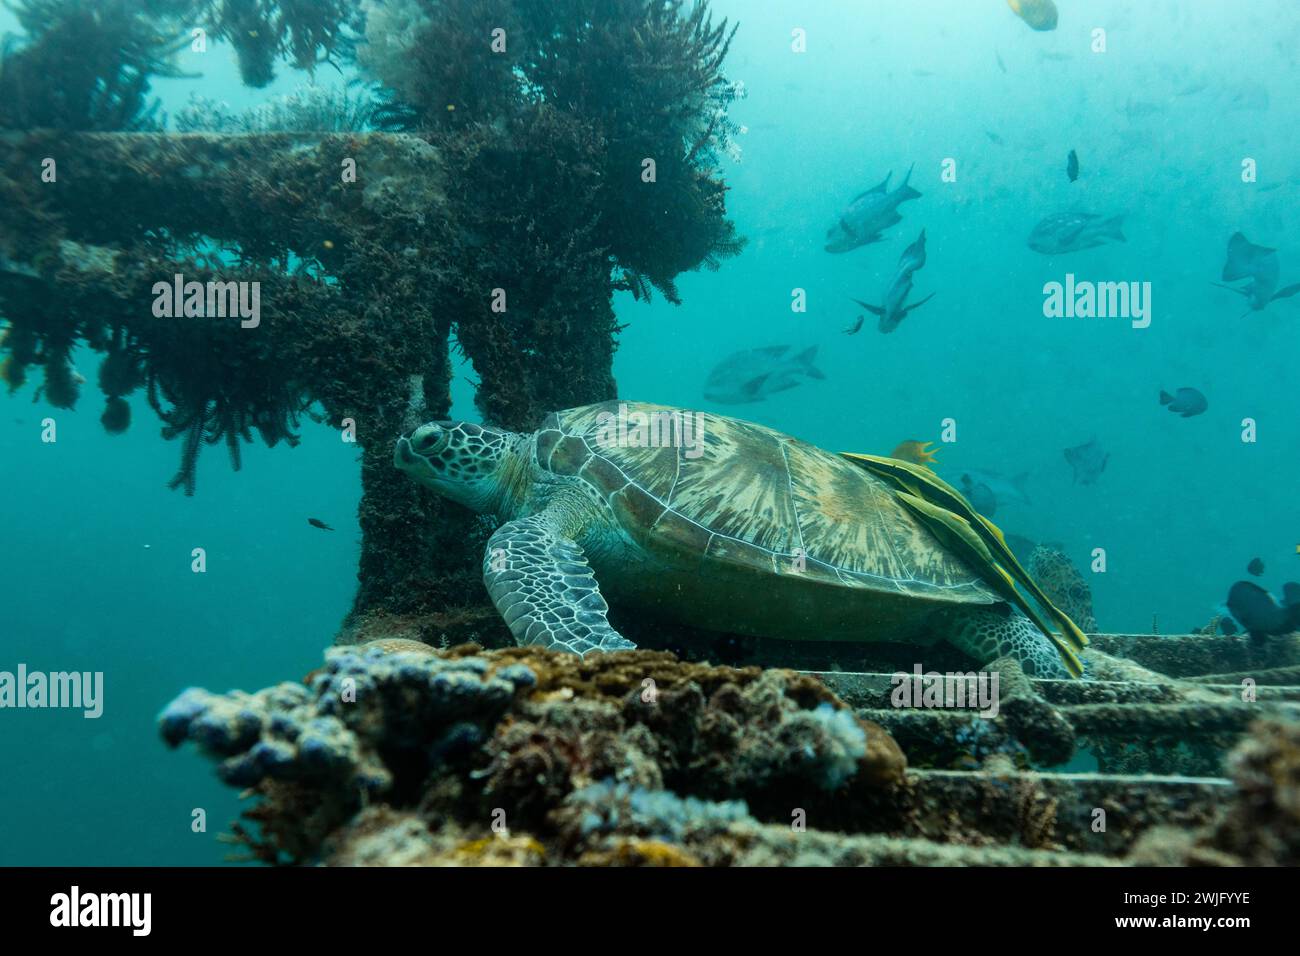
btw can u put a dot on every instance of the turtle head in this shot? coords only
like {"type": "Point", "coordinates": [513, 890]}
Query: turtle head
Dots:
{"type": "Point", "coordinates": [472, 464]}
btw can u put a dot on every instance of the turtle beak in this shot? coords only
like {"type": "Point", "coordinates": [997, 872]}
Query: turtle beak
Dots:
{"type": "Point", "coordinates": [403, 456]}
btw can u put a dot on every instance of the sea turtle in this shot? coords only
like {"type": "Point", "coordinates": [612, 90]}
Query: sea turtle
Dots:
{"type": "Point", "coordinates": [731, 526]}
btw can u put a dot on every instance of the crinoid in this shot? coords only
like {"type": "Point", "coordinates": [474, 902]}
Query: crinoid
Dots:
{"type": "Point", "coordinates": [221, 404]}
{"type": "Point", "coordinates": [205, 419]}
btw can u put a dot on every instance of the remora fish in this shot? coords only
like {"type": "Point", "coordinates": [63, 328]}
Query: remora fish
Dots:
{"type": "Point", "coordinates": [861, 223]}
{"type": "Point", "coordinates": [1072, 231]}
{"type": "Point", "coordinates": [754, 374]}
{"type": "Point", "coordinates": [894, 308]}
{"type": "Point", "coordinates": [1258, 264]}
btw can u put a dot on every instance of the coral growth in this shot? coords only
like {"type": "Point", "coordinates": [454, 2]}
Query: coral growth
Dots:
{"type": "Point", "coordinates": [398, 753]}
{"type": "Point", "coordinates": [633, 745]}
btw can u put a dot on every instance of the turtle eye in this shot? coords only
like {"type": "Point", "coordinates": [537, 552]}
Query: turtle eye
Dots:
{"type": "Point", "coordinates": [427, 439]}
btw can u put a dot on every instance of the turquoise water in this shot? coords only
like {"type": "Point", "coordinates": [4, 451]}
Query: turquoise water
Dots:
{"type": "Point", "coordinates": [96, 558]}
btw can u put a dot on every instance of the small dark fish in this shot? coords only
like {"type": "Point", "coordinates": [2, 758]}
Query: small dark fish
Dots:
{"type": "Point", "coordinates": [993, 137]}
{"type": "Point", "coordinates": [1088, 461]}
{"type": "Point", "coordinates": [317, 523]}
{"type": "Point", "coordinates": [1187, 402]}
{"type": "Point", "coordinates": [1072, 166]}
{"type": "Point", "coordinates": [1259, 613]}
{"type": "Point", "coordinates": [1256, 567]}
{"type": "Point", "coordinates": [1227, 626]}
{"type": "Point", "coordinates": [1001, 66]}
{"type": "Point", "coordinates": [856, 327]}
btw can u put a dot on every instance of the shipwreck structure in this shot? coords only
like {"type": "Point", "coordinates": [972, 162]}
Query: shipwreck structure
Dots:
{"type": "Point", "coordinates": [500, 170]}
{"type": "Point", "coordinates": [504, 170]}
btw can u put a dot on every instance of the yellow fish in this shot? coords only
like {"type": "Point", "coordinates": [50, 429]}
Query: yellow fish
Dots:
{"type": "Point", "coordinates": [917, 452]}
{"type": "Point", "coordinates": [1039, 14]}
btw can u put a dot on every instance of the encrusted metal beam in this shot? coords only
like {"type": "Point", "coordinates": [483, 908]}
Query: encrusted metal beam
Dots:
{"type": "Point", "coordinates": [1061, 810]}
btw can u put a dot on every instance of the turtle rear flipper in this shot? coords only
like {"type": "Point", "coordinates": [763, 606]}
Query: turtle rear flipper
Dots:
{"type": "Point", "coordinates": [990, 633]}
{"type": "Point", "coordinates": [542, 585]}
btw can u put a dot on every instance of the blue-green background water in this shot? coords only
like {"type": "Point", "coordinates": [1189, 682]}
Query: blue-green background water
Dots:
{"type": "Point", "coordinates": [95, 564]}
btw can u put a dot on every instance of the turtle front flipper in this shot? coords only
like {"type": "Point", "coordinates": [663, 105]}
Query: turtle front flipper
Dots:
{"type": "Point", "coordinates": [540, 581]}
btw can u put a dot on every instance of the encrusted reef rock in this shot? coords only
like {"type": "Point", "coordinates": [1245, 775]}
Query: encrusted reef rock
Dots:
{"type": "Point", "coordinates": [1261, 826]}
{"type": "Point", "coordinates": [397, 753]}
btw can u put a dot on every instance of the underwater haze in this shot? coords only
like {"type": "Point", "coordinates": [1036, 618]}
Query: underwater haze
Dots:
{"type": "Point", "coordinates": [1182, 118]}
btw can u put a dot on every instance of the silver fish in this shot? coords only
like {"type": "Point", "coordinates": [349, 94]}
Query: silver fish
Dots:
{"type": "Point", "coordinates": [1072, 231]}
{"type": "Point", "coordinates": [1259, 264]}
{"type": "Point", "coordinates": [752, 375]}
{"type": "Point", "coordinates": [894, 308]}
{"type": "Point", "coordinates": [1002, 488]}
{"type": "Point", "coordinates": [861, 223]}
